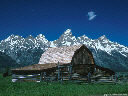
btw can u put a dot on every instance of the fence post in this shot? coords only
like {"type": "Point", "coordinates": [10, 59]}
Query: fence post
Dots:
{"type": "Point", "coordinates": [89, 77]}
{"type": "Point", "coordinates": [44, 76]}
{"type": "Point", "coordinates": [41, 77]}
{"type": "Point", "coordinates": [70, 72]}
{"type": "Point", "coordinates": [58, 71]}
{"type": "Point", "coordinates": [14, 79]}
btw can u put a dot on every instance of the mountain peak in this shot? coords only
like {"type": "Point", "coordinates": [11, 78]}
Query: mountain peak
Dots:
{"type": "Point", "coordinates": [40, 36]}
{"type": "Point", "coordinates": [13, 37]}
{"type": "Point", "coordinates": [68, 32]}
{"type": "Point", "coordinates": [85, 36]}
{"type": "Point", "coordinates": [102, 37]}
{"type": "Point", "coordinates": [30, 37]}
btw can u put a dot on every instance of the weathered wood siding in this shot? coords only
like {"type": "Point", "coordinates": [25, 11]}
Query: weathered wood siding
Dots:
{"type": "Point", "coordinates": [82, 69]}
{"type": "Point", "coordinates": [82, 62]}
{"type": "Point", "coordinates": [82, 56]}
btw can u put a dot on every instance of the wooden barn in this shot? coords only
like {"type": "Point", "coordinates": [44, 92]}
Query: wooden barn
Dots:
{"type": "Point", "coordinates": [63, 63]}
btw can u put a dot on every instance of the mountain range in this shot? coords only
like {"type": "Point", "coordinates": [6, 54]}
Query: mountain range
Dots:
{"type": "Point", "coordinates": [27, 51]}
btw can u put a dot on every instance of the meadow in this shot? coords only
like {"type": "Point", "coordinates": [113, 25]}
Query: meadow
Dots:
{"type": "Point", "coordinates": [8, 88]}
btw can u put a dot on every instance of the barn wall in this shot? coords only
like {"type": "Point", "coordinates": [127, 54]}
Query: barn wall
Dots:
{"type": "Point", "coordinates": [82, 62]}
{"type": "Point", "coordinates": [82, 56]}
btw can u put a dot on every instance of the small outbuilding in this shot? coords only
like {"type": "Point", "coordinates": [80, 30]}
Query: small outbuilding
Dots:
{"type": "Point", "coordinates": [63, 63]}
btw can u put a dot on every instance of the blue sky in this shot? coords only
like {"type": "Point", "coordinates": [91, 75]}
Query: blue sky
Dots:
{"type": "Point", "coordinates": [52, 17]}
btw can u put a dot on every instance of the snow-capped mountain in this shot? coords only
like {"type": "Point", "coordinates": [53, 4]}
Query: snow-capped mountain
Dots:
{"type": "Point", "coordinates": [102, 43]}
{"type": "Point", "coordinates": [28, 50]}
{"type": "Point", "coordinates": [66, 39]}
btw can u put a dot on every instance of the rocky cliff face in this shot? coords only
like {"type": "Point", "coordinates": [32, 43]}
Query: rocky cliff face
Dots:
{"type": "Point", "coordinates": [28, 50]}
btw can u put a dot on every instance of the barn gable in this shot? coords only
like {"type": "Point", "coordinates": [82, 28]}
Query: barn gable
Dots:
{"type": "Point", "coordinates": [83, 56]}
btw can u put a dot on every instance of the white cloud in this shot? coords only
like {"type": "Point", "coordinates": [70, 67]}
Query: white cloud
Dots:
{"type": "Point", "coordinates": [91, 15]}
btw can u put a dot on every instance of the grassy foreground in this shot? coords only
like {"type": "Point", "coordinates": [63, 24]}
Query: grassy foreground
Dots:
{"type": "Point", "coordinates": [7, 88]}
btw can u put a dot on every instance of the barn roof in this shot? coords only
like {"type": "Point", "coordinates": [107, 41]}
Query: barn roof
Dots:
{"type": "Point", "coordinates": [38, 67]}
{"type": "Point", "coordinates": [62, 54]}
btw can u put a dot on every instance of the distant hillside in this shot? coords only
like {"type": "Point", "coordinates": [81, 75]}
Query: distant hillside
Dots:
{"type": "Point", "coordinates": [6, 61]}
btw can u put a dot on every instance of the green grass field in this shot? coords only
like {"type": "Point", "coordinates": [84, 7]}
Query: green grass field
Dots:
{"type": "Point", "coordinates": [7, 88]}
